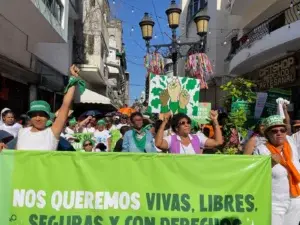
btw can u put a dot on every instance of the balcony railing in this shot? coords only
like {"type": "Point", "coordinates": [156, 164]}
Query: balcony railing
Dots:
{"type": "Point", "coordinates": [283, 18]}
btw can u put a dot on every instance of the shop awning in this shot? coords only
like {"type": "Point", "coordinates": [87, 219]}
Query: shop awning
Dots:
{"type": "Point", "coordinates": [91, 97]}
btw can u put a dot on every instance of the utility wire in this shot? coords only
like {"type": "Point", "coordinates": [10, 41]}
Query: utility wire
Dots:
{"type": "Point", "coordinates": [137, 64]}
{"type": "Point", "coordinates": [132, 6]}
{"type": "Point", "coordinates": [162, 34]}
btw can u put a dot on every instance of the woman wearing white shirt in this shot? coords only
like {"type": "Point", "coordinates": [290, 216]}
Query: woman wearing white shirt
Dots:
{"type": "Point", "coordinates": [183, 142]}
{"type": "Point", "coordinates": [40, 137]}
{"type": "Point", "coordinates": [285, 172]}
{"type": "Point", "coordinates": [10, 124]}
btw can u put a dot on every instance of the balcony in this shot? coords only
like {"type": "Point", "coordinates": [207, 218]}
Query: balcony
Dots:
{"type": "Point", "coordinates": [267, 41]}
{"type": "Point", "coordinates": [42, 20]}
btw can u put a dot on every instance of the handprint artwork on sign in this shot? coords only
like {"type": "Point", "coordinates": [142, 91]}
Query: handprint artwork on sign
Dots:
{"type": "Point", "coordinates": [175, 94]}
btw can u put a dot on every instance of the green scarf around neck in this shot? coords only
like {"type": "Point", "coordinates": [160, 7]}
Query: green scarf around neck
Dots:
{"type": "Point", "coordinates": [140, 143]}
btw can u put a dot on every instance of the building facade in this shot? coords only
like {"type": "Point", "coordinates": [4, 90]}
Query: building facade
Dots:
{"type": "Point", "coordinates": [92, 41]}
{"type": "Point", "coordinates": [118, 77]}
{"type": "Point", "coordinates": [219, 24]}
{"type": "Point", "coordinates": [265, 46]}
{"type": "Point", "coordinates": [35, 51]}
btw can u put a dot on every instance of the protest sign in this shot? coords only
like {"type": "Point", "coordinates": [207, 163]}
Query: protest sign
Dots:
{"type": "Point", "coordinates": [203, 113]}
{"type": "Point", "coordinates": [178, 94]}
{"type": "Point", "coordinates": [243, 105]}
{"type": "Point", "coordinates": [271, 105]}
{"type": "Point", "coordinates": [66, 188]}
{"type": "Point", "coordinates": [260, 104]}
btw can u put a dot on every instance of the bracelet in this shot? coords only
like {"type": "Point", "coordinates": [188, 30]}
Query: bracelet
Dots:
{"type": "Point", "coordinates": [215, 123]}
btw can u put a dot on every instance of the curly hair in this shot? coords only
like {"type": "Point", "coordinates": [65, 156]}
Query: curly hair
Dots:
{"type": "Point", "coordinates": [176, 118]}
{"type": "Point", "coordinates": [135, 114]}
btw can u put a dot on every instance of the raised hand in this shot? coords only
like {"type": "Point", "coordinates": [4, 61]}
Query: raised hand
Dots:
{"type": "Point", "coordinates": [166, 116]}
{"type": "Point", "coordinates": [214, 115]}
{"type": "Point", "coordinates": [74, 70]}
{"type": "Point", "coordinates": [276, 158]}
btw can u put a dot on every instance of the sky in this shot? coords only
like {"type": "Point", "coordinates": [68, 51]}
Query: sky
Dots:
{"type": "Point", "coordinates": [131, 13]}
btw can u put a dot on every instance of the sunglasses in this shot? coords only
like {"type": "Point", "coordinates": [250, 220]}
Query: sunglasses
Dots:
{"type": "Point", "coordinates": [88, 144]}
{"type": "Point", "coordinates": [182, 123]}
{"type": "Point", "coordinates": [276, 131]}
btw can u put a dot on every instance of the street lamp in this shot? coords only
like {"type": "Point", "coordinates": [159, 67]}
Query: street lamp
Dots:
{"type": "Point", "coordinates": [173, 13]}
{"type": "Point", "coordinates": [147, 25]}
{"type": "Point", "coordinates": [202, 24]}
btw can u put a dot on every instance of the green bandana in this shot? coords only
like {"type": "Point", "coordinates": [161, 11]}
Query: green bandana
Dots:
{"type": "Point", "coordinates": [73, 81]}
{"type": "Point", "coordinates": [49, 123]}
{"type": "Point", "coordinates": [139, 142]}
{"type": "Point", "coordinates": [148, 127]}
{"type": "Point", "coordinates": [72, 122]}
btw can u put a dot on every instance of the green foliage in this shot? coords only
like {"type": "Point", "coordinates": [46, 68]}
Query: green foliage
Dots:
{"type": "Point", "coordinates": [229, 151]}
{"type": "Point", "coordinates": [242, 90]}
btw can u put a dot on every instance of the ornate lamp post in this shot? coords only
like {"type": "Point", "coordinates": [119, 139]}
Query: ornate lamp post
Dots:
{"type": "Point", "coordinates": [173, 14]}
{"type": "Point", "coordinates": [147, 25]}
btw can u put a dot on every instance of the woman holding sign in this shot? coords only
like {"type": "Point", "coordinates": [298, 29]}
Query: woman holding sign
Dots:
{"type": "Point", "coordinates": [183, 142]}
{"type": "Point", "coordinates": [285, 172]}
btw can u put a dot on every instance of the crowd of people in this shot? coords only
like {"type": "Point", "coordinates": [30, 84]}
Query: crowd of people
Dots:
{"type": "Point", "coordinates": [40, 129]}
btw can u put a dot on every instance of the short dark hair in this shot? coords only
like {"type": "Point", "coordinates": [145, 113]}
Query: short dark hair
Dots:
{"type": "Point", "coordinates": [135, 114]}
{"type": "Point", "coordinates": [102, 147]}
{"type": "Point", "coordinates": [24, 119]}
{"type": "Point", "coordinates": [176, 118]}
{"type": "Point", "coordinates": [124, 129]}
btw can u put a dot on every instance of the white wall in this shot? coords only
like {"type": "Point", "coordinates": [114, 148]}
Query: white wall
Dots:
{"type": "Point", "coordinates": [62, 28]}
{"type": "Point", "coordinates": [270, 47]}
{"type": "Point", "coordinates": [55, 55]}
{"type": "Point", "coordinates": [13, 43]}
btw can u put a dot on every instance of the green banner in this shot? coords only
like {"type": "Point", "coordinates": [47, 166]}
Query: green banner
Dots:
{"type": "Point", "coordinates": [63, 188]}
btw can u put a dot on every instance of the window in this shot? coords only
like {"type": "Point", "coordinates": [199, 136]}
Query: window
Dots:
{"type": "Point", "coordinates": [92, 3]}
{"type": "Point", "coordinates": [56, 8]}
{"type": "Point", "coordinates": [91, 40]}
{"type": "Point", "coordinates": [194, 7]}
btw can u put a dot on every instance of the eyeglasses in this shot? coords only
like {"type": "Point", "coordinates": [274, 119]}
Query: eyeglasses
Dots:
{"type": "Point", "coordinates": [87, 144]}
{"type": "Point", "coordinates": [276, 131]}
{"type": "Point", "coordinates": [184, 123]}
